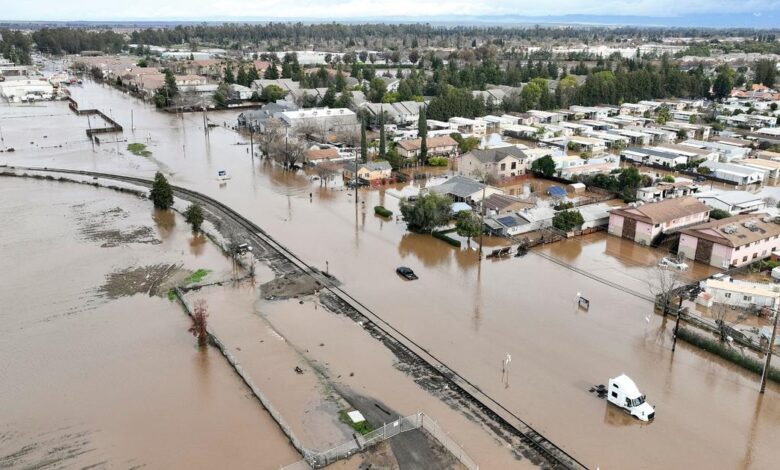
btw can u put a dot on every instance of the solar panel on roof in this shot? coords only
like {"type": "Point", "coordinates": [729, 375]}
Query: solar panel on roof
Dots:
{"type": "Point", "coordinates": [508, 221]}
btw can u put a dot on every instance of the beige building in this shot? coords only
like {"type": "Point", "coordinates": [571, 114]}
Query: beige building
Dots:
{"type": "Point", "coordinates": [444, 146]}
{"type": "Point", "coordinates": [503, 162]}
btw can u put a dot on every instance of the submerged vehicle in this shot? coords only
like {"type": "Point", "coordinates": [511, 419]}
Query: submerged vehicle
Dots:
{"type": "Point", "coordinates": [406, 273]}
{"type": "Point", "coordinates": [623, 393]}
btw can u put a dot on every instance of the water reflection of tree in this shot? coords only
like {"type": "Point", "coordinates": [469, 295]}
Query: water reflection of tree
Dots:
{"type": "Point", "coordinates": [197, 244]}
{"type": "Point", "coordinates": [165, 221]}
{"type": "Point", "coordinates": [432, 252]}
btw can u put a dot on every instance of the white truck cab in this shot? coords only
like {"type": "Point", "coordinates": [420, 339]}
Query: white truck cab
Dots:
{"type": "Point", "coordinates": [623, 392]}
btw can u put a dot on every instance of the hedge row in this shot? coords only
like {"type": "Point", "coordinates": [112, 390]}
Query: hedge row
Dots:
{"type": "Point", "coordinates": [381, 211]}
{"type": "Point", "coordinates": [722, 349]}
{"type": "Point", "coordinates": [443, 236]}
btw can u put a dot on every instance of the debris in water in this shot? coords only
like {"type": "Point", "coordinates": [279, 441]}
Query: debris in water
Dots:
{"type": "Point", "coordinates": [298, 370]}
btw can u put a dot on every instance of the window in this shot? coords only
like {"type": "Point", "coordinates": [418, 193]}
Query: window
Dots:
{"type": "Point", "coordinates": [755, 255]}
{"type": "Point", "coordinates": [727, 295]}
{"type": "Point", "coordinates": [614, 394]}
{"type": "Point", "coordinates": [747, 298]}
{"type": "Point", "coordinates": [744, 258]}
{"type": "Point", "coordinates": [737, 249]}
{"type": "Point", "coordinates": [514, 165]}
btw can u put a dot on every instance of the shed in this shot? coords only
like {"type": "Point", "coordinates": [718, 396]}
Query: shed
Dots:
{"type": "Point", "coordinates": [577, 187]}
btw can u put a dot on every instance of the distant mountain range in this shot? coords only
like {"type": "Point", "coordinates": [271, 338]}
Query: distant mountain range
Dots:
{"type": "Point", "coordinates": [759, 20]}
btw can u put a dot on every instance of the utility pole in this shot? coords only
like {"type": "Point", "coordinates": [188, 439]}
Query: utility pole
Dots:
{"type": "Point", "coordinates": [677, 323]}
{"type": "Point", "coordinates": [769, 354]}
{"type": "Point", "coordinates": [356, 182]}
{"type": "Point", "coordinates": [252, 141]}
{"type": "Point", "coordinates": [482, 220]}
{"type": "Point", "coordinates": [91, 139]}
{"type": "Point", "coordinates": [132, 124]}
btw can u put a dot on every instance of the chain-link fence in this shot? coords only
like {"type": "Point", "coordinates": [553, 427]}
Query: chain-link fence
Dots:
{"type": "Point", "coordinates": [387, 431]}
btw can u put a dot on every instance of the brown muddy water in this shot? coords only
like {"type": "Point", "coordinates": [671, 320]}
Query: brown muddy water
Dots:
{"type": "Point", "coordinates": [94, 370]}
{"type": "Point", "coordinates": [470, 314]}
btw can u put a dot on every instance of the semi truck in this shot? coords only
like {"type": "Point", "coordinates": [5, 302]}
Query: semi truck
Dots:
{"type": "Point", "coordinates": [623, 393]}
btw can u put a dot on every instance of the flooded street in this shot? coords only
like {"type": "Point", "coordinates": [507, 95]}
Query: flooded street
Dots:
{"type": "Point", "coordinates": [466, 313]}
{"type": "Point", "coordinates": [95, 370]}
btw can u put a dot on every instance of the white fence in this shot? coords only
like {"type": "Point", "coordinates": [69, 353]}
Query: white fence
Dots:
{"type": "Point", "coordinates": [387, 431]}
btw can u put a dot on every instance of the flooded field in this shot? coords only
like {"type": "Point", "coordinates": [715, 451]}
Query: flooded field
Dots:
{"type": "Point", "coordinates": [96, 369]}
{"type": "Point", "coordinates": [467, 313]}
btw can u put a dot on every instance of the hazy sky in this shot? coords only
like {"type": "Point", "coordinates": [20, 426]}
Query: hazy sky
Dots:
{"type": "Point", "coordinates": [335, 9]}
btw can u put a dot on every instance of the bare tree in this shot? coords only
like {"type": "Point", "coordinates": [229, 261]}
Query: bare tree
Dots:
{"type": "Point", "coordinates": [290, 153]}
{"type": "Point", "coordinates": [309, 129]}
{"type": "Point", "coordinates": [199, 323]}
{"type": "Point", "coordinates": [326, 171]}
{"type": "Point", "coordinates": [269, 139]}
{"type": "Point", "coordinates": [664, 284]}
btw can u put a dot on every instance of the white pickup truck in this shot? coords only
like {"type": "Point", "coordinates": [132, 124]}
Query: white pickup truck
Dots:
{"type": "Point", "coordinates": [623, 393]}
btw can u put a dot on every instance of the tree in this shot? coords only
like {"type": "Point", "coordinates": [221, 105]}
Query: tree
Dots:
{"type": "Point", "coordinates": [199, 328]}
{"type": "Point", "coordinates": [161, 193]}
{"type": "Point", "coordinates": [271, 73]}
{"type": "Point", "coordinates": [363, 141]}
{"type": "Point", "coordinates": [194, 216]}
{"type": "Point", "coordinates": [241, 77]}
{"type": "Point", "coordinates": [663, 116]}
{"type": "Point", "coordinates": [229, 78]}
{"type": "Point", "coordinates": [382, 143]}
{"type": "Point", "coordinates": [468, 225]}
{"type": "Point", "coordinates": [764, 72]}
{"type": "Point", "coordinates": [724, 81]}
{"type": "Point", "coordinates": [426, 212]}
{"type": "Point", "coordinates": [467, 144]}
{"type": "Point", "coordinates": [378, 88]}
{"type": "Point", "coordinates": [221, 96]}
{"type": "Point", "coordinates": [667, 280]}
{"type": "Point", "coordinates": [567, 220]}
{"type": "Point", "coordinates": [682, 134]}
{"type": "Point", "coordinates": [422, 132]}
{"type": "Point", "coordinates": [718, 214]}
{"type": "Point", "coordinates": [272, 93]}
{"type": "Point", "coordinates": [544, 166]}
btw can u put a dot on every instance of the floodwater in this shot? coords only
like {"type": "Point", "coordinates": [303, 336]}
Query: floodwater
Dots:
{"type": "Point", "coordinates": [471, 314]}
{"type": "Point", "coordinates": [94, 370]}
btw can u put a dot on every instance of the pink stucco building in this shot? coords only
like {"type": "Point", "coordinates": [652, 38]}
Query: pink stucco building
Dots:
{"type": "Point", "coordinates": [732, 241]}
{"type": "Point", "coordinates": [645, 222]}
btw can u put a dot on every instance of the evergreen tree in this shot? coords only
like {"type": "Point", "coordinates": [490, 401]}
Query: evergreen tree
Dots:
{"type": "Point", "coordinates": [382, 150]}
{"type": "Point", "coordinates": [194, 216]}
{"type": "Point", "coordinates": [241, 77]}
{"type": "Point", "coordinates": [271, 73]}
{"type": "Point", "coordinates": [161, 193]}
{"type": "Point", "coordinates": [363, 141]}
{"type": "Point", "coordinates": [229, 78]}
{"type": "Point", "coordinates": [422, 132]}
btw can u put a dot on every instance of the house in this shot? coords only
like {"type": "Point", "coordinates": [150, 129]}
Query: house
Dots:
{"type": "Point", "coordinates": [508, 225]}
{"type": "Point", "coordinates": [595, 215]}
{"type": "Point", "coordinates": [463, 189]}
{"type": "Point", "coordinates": [444, 146]}
{"type": "Point", "coordinates": [737, 174]}
{"type": "Point", "coordinates": [240, 92]}
{"type": "Point", "coordinates": [317, 155]}
{"type": "Point", "coordinates": [733, 241]}
{"type": "Point", "coordinates": [589, 112]}
{"type": "Point", "coordinates": [468, 126]}
{"type": "Point", "coordinates": [567, 166]}
{"type": "Point", "coordinates": [748, 120]}
{"type": "Point", "coordinates": [733, 202]}
{"type": "Point", "coordinates": [497, 204]}
{"type": "Point", "coordinates": [587, 144]}
{"type": "Point", "coordinates": [726, 290]}
{"type": "Point", "coordinates": [642, 223]}
{"type": "Point", "coordinates": [323, 120]}
{"type": "Point", "coordinates": [255, 119]}
{"type": "Point", "coordinates": [771, 167]}
{"type": "Point", "coordinates": [371, 171]}
{"type": "Point", "coordinates": [546, 117]}
{"type": "Point", "coordinates": [501, 162]}
{"type": "Point", "coordinates": [665, 190]}
{"type": "Point", "coordinates": [725, 151]}
{"type": "Point", "coordinates": [653, 156]}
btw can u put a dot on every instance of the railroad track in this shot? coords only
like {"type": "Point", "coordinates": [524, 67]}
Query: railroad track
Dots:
{"type": "Point", "coordinates": [533, 439]}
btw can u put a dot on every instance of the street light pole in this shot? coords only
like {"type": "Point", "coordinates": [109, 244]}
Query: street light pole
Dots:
{"type": "Point", "coordinates": [769, 354]}
{"type": "Point", "coordinates": [482, 220]}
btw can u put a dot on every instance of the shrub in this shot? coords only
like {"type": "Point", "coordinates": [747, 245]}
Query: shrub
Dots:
{"type": "Point", "coordinates": [725, 351]}
{"type": "Point", "coordinates": [444, 237]}
{"type": "Point", "coordinates": [718, 214]}
{"type": "Point", "coordinates": [381, 211]}
{"type": "Point", "coordinates": [438, 161]}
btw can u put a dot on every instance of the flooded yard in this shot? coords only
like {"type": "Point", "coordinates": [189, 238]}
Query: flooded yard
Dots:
{"type": "Point", "coordinates": [98, 369]}
{"type": "Point", "coordinates": [471, 314]}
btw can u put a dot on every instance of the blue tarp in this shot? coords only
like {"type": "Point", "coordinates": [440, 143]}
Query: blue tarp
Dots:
{"type": "Point", "coordinates": [556, 191]}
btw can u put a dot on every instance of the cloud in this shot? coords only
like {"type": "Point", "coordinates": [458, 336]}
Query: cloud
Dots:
{"type": "Point", "coordinates": [336, 9]}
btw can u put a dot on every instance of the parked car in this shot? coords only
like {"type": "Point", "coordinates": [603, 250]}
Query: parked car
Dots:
{"type": "Point", "coordinates": [670, 263]}
{"type": "Point", "coordinates": [406, 273]}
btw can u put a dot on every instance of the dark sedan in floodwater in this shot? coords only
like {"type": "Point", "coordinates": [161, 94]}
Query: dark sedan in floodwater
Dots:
{"type": "Point", "coordinates": [406, 272]}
